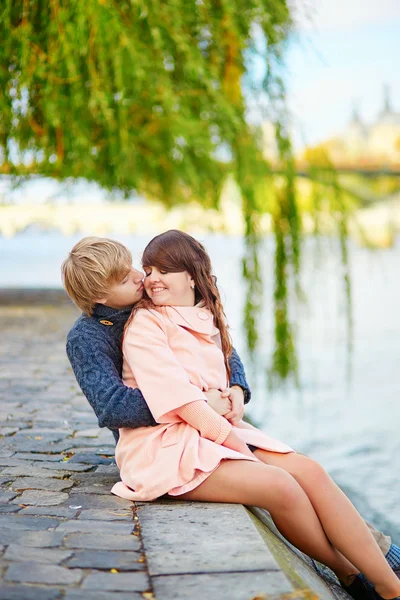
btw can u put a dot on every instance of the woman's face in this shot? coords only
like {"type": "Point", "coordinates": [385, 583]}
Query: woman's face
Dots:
{"type": "Point", "coordinates": [169, 289]}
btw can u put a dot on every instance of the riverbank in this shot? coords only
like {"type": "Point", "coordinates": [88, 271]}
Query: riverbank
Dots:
{"type": "Point", "coordinates": [63, 535]}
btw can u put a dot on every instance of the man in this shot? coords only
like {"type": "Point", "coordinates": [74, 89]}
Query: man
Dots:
{"type": "Point", "coordinates": [99, 278]}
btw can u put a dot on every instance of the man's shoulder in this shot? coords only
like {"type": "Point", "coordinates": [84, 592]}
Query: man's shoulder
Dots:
{"type": "Point", "coordinates": [85, 327]}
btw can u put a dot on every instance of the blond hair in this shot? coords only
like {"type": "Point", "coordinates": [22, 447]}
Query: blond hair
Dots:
{"type": "Point", "coordinates": [93, 265]}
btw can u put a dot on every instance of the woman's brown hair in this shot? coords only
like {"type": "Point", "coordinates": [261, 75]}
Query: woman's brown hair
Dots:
{"type": "Point", "coordinates": [175, 251]}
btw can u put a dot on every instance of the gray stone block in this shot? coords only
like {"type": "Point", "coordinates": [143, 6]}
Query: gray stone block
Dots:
{"type": "Point", "coordinates": [105, 560]}
{"type": "Point", "coordinates": [107, 514]}
{"type": "Point", "coordinates": [9, 508]}
{"type": "Point", "coordinates": [135, 582]}
{"type": "Point", "coordinates": [91, 459]}
{"type": "Point", "coordinates": [16, 522]}
{"type": "Point", "coordinates": [39, 457]}
{"type": "Point", "coordinates": [33, 539]}
{"type": "Point", "coordinates": [81, 526]}
{"type": "Point", "coordinates": [6, 496]}
{"type": "Point", "coordinates": [29, 572]}
{"type": "Point", "coordinates": [93, 488]}
{"type": "Point", "coordinates": [26, 470]}
{"type": "Point", "coordinates": [41, 498]}
{"type": "Point", "coordinates": [24, 592]}
{"type": "Point", "coordinates": [201, 538]}
{"type": "Point", "coordinates": [43, 483]}
{"type": "Point", "coordinates": [86, 595]}
{"type": "Point", "coordinates": [54, 556]}
{"type": "Point", "coordinates": [99, 501]}
{"type": "Point", "coordinates": [50, 511]}
{"type": "Point", "coordinates": [103, 541]}
{"type": "Point", "coordinates": [224, 586]}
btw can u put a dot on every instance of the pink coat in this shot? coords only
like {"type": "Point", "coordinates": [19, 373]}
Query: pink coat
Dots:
{"type": "Point", "coordinates": [173, 354]}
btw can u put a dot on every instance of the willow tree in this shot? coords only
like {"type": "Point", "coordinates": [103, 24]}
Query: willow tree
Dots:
{"type": "Point", "coordinates": [148, 96]}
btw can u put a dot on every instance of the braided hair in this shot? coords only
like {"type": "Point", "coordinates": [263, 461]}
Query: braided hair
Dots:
{"type": "Point", "coordinates": [175, 251]}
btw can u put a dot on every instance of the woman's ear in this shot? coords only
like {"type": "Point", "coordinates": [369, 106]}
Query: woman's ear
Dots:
{"type": "Point", "coordinates": [192, 284]}
{"type": "Point", "coordinates": [101, 301]}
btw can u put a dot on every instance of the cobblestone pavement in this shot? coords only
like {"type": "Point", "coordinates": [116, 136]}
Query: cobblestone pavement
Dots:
{"type": "Point", "coordinates": [62, 534]}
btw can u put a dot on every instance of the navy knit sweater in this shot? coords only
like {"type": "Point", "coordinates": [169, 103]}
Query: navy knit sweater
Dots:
{"type": "Point", "coordinates": [94, 351]}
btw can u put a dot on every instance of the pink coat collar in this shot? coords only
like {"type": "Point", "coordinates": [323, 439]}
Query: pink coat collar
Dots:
{"type": "Point", "coordinates": [196, 318]}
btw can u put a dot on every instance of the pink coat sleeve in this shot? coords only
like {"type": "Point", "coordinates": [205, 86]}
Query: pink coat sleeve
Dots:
{"type": "Point", "coordinates": [161, 378]}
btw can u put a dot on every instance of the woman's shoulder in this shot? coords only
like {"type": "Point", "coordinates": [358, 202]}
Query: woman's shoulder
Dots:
{"type": "Point", "coordinates": [147, 315]}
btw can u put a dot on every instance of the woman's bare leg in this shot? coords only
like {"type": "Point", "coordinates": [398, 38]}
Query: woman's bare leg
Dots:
{"type": "Point", "coordinates": [343, 525]}
{"type": "Point", "coordinates": [245, 482]}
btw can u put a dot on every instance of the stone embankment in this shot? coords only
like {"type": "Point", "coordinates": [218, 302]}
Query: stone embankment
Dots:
{"type": "Point", "coordinates": [63, 535]}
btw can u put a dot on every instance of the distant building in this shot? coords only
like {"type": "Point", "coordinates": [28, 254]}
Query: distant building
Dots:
{"type": "Point", "coordinates": [377, 143]}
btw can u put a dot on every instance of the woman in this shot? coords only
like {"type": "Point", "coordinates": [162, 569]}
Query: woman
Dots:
{"type": "Point", "coordinates": [176, 347]}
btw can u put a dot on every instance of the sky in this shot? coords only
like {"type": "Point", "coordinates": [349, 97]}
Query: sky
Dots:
{"type": "Point", "coordinates": [342, 55]}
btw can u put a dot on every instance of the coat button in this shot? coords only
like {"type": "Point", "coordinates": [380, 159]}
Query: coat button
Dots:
{"type": "Point", "coordinates": [203, 315]}
{"type": "Point", "coordinates": [105, 322]}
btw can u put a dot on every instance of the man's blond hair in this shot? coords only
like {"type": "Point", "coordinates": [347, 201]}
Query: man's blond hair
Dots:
{"type": "Point", "coordinates": [92, 267]}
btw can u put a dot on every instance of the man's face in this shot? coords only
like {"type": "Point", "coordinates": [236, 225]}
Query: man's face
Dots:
{"type": "Point", "coordinates": [126, 292]}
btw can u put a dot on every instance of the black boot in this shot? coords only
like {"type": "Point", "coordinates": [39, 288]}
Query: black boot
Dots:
{"type": "Point", "coordinates": [359, 589]}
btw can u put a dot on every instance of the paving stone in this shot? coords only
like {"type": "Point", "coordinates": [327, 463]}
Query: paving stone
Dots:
{"type": "Point", "coordinates": [49, 511]}
{"type": "Point", "coordinates": [23, 592]}
{"type": "Point", "coordinates": [81, 526]}
{"type": "Point", "coordinates": [6, 496]}
{"type": "Point", "coordinates": [100, 501]}
{"type": "Point", "coordinates": [6, 431]}
{"type": "Point", "coordinates": [6, 479]}
{"type": "Point", "coordinates": [33, 539]}
{"type": "Point", "coordinates": [29, 572]}
{"type": "Point", "coordinates": [103, 541]}
{"type": "Point", "coordinates": [41, 498]}
{"type": "Point", "coordinates": [7, 508]}
{"type": "Point", "coordinates": [224, 586]}
{"type": "Point", "coordinates": [122, 514]}
{"type": "Point", "coordinates": [44, 483]}
{"type": "Point", "coordinates": [191, 538]}
{"type": "Point", "coordinates": [86, 433]}
{"type": "Point", "coordinates": [66, 466]}
{"type": "Point", "coordinates": [136, 582]}
{"type": "Point", "coordinates": [95, 488]}
{"type": "Point", "coordinates": [87, 595]}
{"type": "Point", "coordinates": [13, 462]}
{"type": "Point", "coordinates": [29, 554]}
{"type": "Point", "coordinates": [106, 560]}
{"type": "Point", "coordinates": [38, 436]}
{"type": "Point", "coordinates": [5, 452]}
{"type": "Point", "coordinates": [17, 522]}
{"type": "Point", "coordinates": [38, 457]}
{"type": "Point", "coordinates": [91, 459]}
{"type": "Point", "coordinates": [29, 471]}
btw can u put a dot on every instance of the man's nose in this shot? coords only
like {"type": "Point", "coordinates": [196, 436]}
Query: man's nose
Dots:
{"type": "Point", "coordinates": [137, 275]}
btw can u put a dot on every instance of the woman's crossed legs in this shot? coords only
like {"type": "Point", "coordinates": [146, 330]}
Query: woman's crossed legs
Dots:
{"type": "Point", "coordinates": [308, 509]}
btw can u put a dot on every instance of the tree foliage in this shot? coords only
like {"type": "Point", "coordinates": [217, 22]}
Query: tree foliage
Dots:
{"type": "Point", "coordinates": [147, 96]}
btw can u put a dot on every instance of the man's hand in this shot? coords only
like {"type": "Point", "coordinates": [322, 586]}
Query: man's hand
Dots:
{"type": "Point", "coordinates": [236, 397]}
{"type": "Point", "coordinates": [221, 404]}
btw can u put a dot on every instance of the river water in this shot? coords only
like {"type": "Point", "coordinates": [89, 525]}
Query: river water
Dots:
{"type": "Point", "coordinates": [345, 410]}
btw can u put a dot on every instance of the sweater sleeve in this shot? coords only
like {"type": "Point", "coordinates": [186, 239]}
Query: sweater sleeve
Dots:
{"type": "Point", "coordinates": [238, 376]}
{"type": "Point", "coordinates": [115, 404]}
{"type": "Point", "coordinates": [203, 418]}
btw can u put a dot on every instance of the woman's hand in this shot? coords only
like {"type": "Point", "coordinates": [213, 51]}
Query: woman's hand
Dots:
{"type": "Point", "coordinates": [236, 397]}
{"type": "Point", "coordinates": [221, 404]}
{"type": "Point", "coordinates": [234, 442]}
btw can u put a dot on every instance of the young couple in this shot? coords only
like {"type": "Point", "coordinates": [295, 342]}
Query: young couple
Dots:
{"type": "Point", "coordinates": [177, 412]}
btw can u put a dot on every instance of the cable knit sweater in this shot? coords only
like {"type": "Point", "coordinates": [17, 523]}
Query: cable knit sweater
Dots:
{"type": "Point", "coordinates": [94, 351]}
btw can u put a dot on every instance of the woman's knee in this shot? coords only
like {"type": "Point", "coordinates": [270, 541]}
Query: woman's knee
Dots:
{"type": "Point", "coordinates": [309, 470]}
{"type": "Point", "coordinates": [284, 491]}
